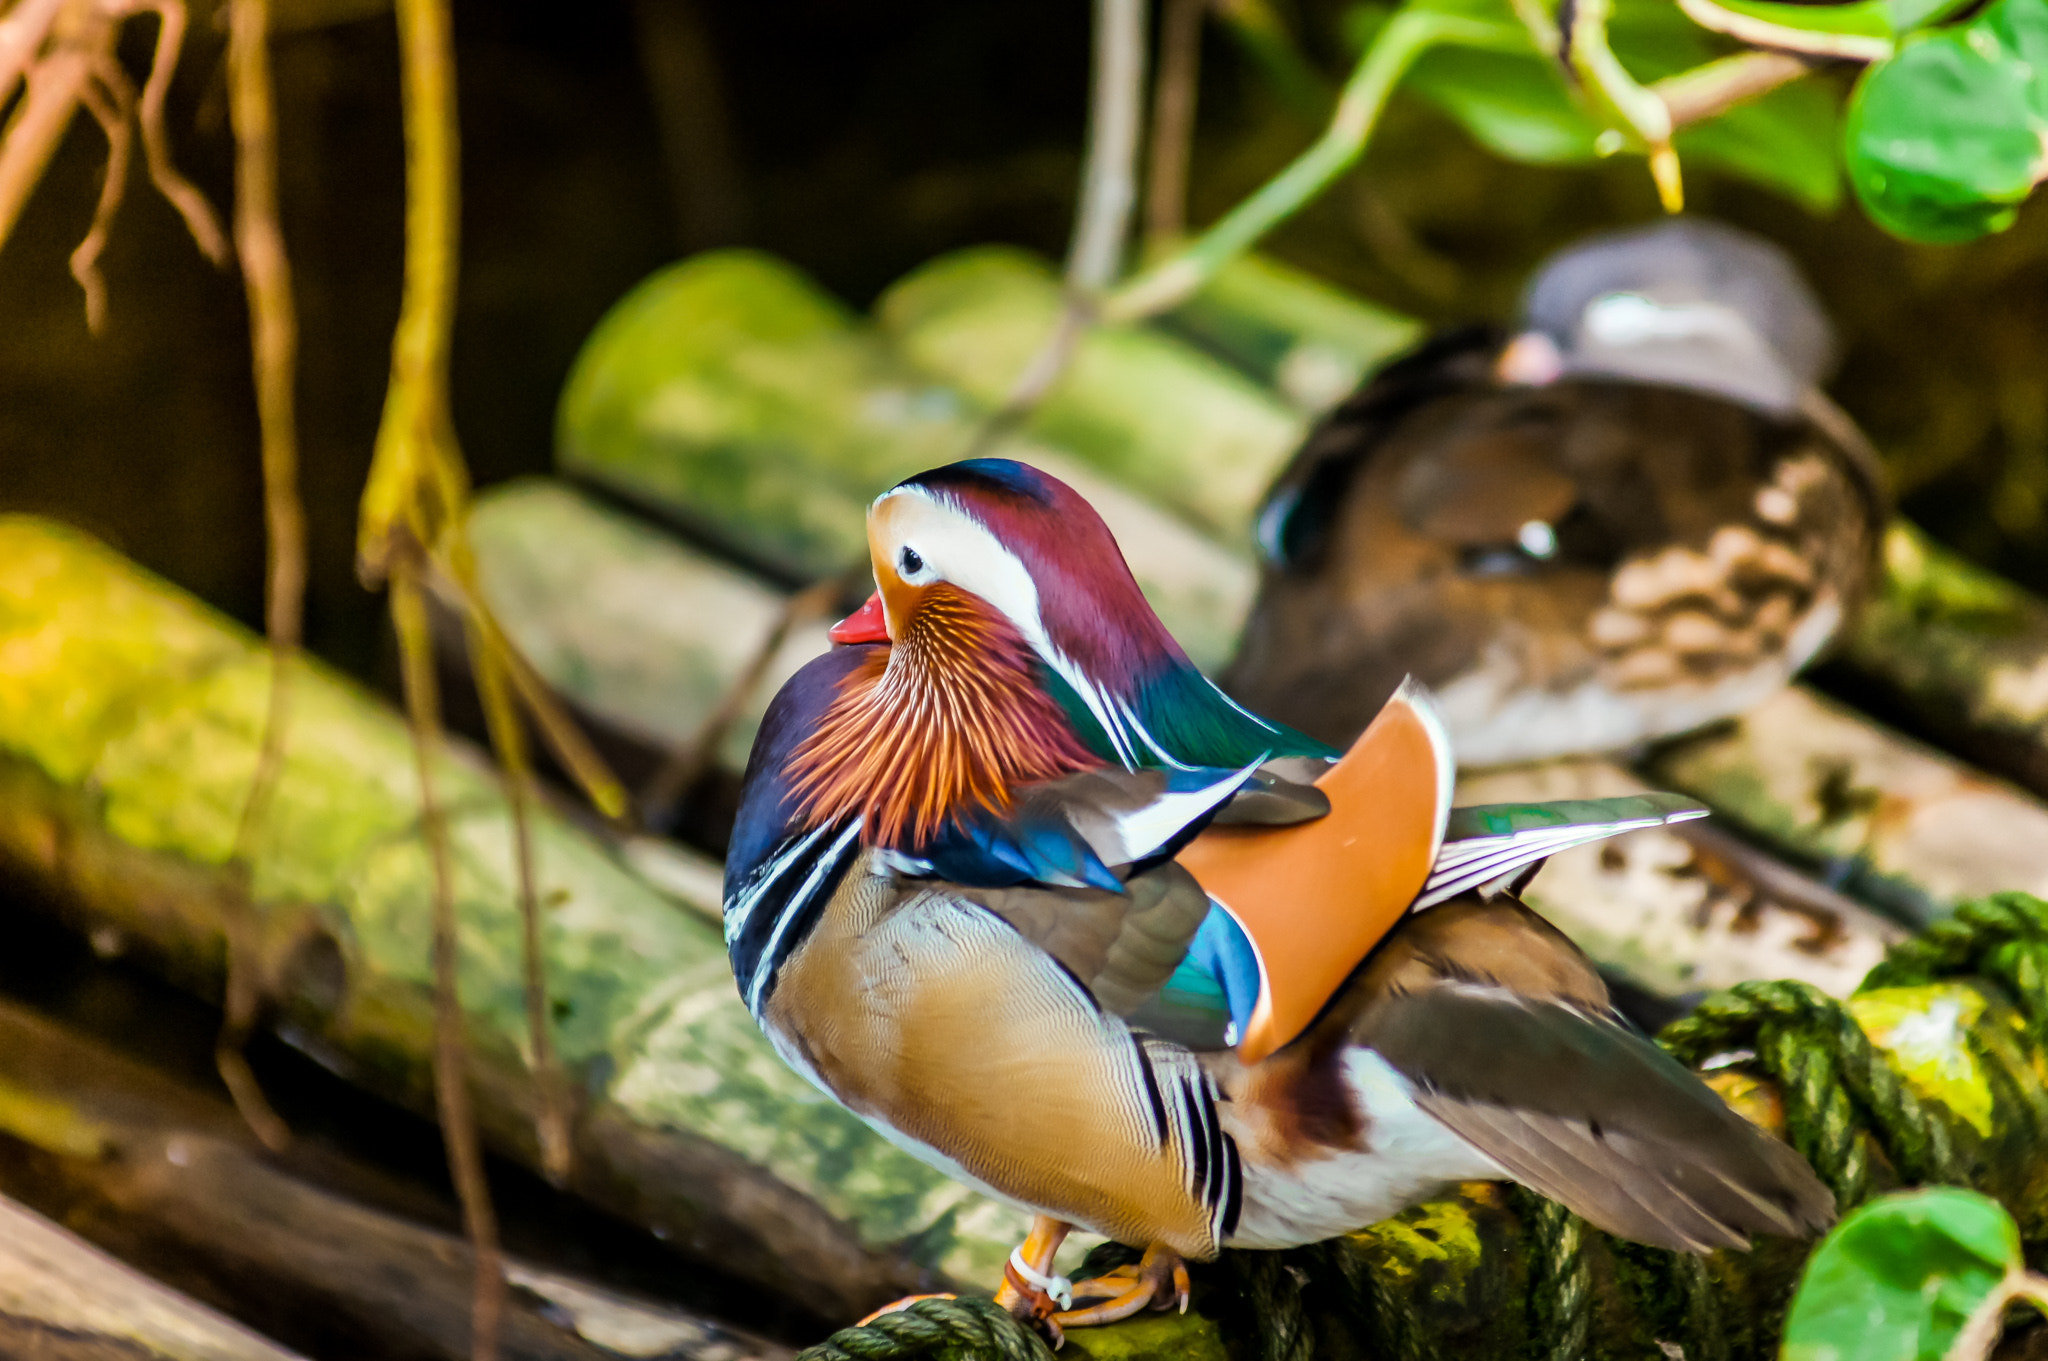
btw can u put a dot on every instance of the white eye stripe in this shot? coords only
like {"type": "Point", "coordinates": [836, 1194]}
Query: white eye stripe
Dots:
{"type": "Point", "coordinates": [954, 546]}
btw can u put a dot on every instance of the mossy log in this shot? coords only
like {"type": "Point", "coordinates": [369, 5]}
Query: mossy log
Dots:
{"type": "Point", "coordinates": [1299, 335]}
{"type": "Point", "coordinates": [1141, 406]}
{"type": "Point", "coordinates": [734, 396]}
{"type": "Point", "coordinates": [129, 722]}
{"type": "Point", "coordinates": [635, 628]}
{"type": "Point", "coordinates": [172, 1182]}
{"type": "Point", "coordinates": [1677, 911]}
{"type": "Point", "coordinates": [1889, 821]}
{"type": "Point", "coordinates": [63, 1300]}
{"type": "Point", "coordinates": [1962, 653]}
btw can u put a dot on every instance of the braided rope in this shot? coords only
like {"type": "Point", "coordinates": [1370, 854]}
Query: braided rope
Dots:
{"type": "Point", "coordinates": [2003, 938]}
{"type": "Point", "coordinates": [1273, 1282]}
{"type": "Point", "coordinates": [1381, 1319]}
{"type": "Point", "coordinates": [944, 1328]}
{"type": "Point", "coordinates": [1560, 1280]}
{"type": "Point", "coordinates": [1827, 1072]}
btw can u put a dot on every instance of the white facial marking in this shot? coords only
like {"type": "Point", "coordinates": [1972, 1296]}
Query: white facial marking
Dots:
{"type": "Point", "coordinates": [931, 539]}
{"type": "Point", "coordinates": [951, 545]}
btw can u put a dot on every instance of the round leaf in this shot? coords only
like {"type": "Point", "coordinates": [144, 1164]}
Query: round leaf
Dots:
{"type": "Point", "coordinates": [1898, 1279]}
{"type": "Point", "coordinates": [1946, 139]}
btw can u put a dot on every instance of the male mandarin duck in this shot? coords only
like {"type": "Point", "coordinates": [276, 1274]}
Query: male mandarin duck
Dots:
{"type": "Point", "coordinates": [1636, 516]}
{"type": "Point", "coordinates": [1017, 885]}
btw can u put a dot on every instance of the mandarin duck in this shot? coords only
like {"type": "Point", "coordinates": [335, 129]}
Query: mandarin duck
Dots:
{"type": "Point", "coordinates": [1017, 885]}
{"type": "Point", "coordinates": [1633, 517]}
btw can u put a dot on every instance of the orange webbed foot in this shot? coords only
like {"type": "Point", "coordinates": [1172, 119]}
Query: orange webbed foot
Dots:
{"type": "Point", "coordinates": [1160, 1281]}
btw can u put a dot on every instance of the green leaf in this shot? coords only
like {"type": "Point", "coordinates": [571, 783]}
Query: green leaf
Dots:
{"type": "Point", "coordinates": [1519, 108]}
{"type": "Point", "coordinates": [1946, 139]}
{"type": "Point", "coordinates": [1515, 107]}
{"type": "Point", "coordinates": [1908, 15]}
{"type": "Point", "coordinates": [1786, 141]}
{"type": "Point", "coordinates": [1898, 1279]}
{"type": "Point", "coordinates": [1861, 19]}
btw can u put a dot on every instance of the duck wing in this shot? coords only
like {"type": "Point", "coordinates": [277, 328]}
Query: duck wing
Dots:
{"type": "Point", "coordinates": [1309, 901]}
{"type": "Point", "coordinates": [1095, 829]}
{"type": "Point", "coordinates": [1505, 1031]}
{"type": "Point", "coordinates": [1294, 521]}
{"type": "Point", "coordinates": [1123, 947]}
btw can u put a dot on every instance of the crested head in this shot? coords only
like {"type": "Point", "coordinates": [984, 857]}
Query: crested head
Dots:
{"type": "Point", "coordinates": [1029, 545]}
{"type": "Point", "coordinates": [1031, 549]}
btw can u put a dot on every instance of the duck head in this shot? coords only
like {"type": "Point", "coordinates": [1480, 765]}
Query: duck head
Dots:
{"type": "Point", "coordinates": [1020, 649]}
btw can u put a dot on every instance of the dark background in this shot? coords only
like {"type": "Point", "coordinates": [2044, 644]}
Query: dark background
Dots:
{"type": "Point", "coordinates": [858, 139]}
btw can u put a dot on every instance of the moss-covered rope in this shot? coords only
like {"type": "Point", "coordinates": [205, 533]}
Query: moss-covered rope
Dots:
{"type": "Point", "coordinates": [1848, 1105]}
{"type": "Point", "coordinates": [945, 1328]}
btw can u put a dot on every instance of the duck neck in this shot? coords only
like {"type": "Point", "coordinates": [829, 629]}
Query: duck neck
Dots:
{"type": "Point", "coordinates": [948, 720]}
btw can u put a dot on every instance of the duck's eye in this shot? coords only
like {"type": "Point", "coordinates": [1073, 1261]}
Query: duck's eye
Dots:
{"type": "Point", "coordinates": [910, 562]}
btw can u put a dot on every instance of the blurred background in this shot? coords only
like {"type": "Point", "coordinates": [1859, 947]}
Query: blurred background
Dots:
{"type": "Point", "coordinates": [857, 141]}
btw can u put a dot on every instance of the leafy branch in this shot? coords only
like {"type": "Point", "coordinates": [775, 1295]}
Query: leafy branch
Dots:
{"type": "Point", "coordinates": [1947, 130]}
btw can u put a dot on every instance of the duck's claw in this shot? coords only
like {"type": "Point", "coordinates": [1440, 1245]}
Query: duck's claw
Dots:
{"type": "Point", "coordinates": [896, 1306]}
{"type": "Point", "coordinates": [1030, 1290]}
{"type": "Point", "coordinates": [1160, 1281]}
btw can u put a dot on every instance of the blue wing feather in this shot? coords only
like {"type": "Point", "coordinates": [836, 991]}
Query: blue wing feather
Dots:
{"type": "Point", "coordinates": [1088, 831]}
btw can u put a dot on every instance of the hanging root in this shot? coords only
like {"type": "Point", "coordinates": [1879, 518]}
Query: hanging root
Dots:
{"type": "Point", "coordinates": [515, 773]}
{"type": "Point", "coordinates": [21, 37]}
{"type": "Point", "coordinates": [1109, 177]}
{"type": "Point", "coordinates": [53, 87]}
{"type": "Point", "coordinates": [199, 216]}
{"type": "Point", "coordinates": [62, 51]}
{"type": "Point", "coordinates": [110, 99]}
{"type": "Point", "coordinates": [273, 333]}
{"type": "Point", "coordinates": [451, 1068]}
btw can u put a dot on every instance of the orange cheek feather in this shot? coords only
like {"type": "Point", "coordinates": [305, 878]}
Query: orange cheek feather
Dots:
{"type": "Point", "coordinates": [1316, 897]}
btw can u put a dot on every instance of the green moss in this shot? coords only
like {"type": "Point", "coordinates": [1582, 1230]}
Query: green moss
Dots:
{"type": "Point", "coordinates": [84, 637]}
{"type": "Point", "coordinates": [1926, 1031]}
{"type": "Point", "coordinates": [1149, 1337]}
{"type": "Point", "coordinates": [1438, 1239]}
{"type": "Point", "coordinates": [151, 707]}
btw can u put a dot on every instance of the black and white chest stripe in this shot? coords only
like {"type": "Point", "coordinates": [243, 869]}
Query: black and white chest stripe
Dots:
{"type": "Point", "coordinates": [775, 909]}
{"type": "Point", "coordinates": [1183, 1107]}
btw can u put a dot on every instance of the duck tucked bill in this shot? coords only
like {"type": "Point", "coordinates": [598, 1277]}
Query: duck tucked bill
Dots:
{"type": "Point", "coordinates": [1636, 516]}
{"type": "Point", "coordinates": [1017, 885]}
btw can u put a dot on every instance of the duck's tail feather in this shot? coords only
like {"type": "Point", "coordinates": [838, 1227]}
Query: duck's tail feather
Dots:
{"type": "Point", "coordinates": [1491, 842]}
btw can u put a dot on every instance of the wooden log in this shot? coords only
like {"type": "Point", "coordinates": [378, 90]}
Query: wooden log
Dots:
{"type": "Point", "coordinates": [1678, 911]}
{"type": "Point", "coordinates": [1306, 339]}
{"type": "Point", "coordinates": [632, 626]}
{"type": "Point", "coordinates": [1144, 408]}
{"type": "Point", "coordinates": [740, 400]}
{"type": "Point", "coordinates": [129, 723]}
{"type": "Point", "coordinates": [61, 1299]}
{"type": "Point", "coordinates": [1889, 821]}
{"type": "Point", "coordinates": [1958, 653]}
{"type": "Point", "coordinates": [171, 1181]}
